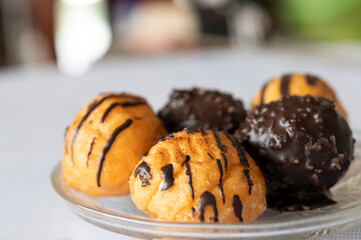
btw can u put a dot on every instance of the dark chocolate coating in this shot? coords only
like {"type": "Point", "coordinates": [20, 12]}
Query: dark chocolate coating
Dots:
{"type": "Point", "coordinates": [300, 143]}
{"type": "Point", "coordinates": [198, 108]}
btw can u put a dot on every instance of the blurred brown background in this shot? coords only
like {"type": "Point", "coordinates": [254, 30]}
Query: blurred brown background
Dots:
{"type": "Point", "coordinates": [77, 33]}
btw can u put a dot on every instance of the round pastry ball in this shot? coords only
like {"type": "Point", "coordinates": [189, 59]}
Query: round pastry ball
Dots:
{"type": "Point", "coordinates": [105, 141]}
{"type": "Point", "coordinates": [199, 108]}
{"type": "Point", "coordinates": [299, 85]}
{"type": "Point", "coordinates": [300, 143]}
{"type": "Point", "coordinates": [199, 176]}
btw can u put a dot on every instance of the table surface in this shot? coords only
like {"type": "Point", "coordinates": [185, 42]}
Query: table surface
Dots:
{"type": "Point", "coordinates": [37, 104]}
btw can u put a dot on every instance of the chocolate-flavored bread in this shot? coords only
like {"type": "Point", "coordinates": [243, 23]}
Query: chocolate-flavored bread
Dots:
{"type": "Point", "coordinates": [199, 108]}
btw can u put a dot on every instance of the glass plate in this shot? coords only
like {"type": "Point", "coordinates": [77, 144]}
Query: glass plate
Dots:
{"type": "Point", "coordinates": [119, 214]}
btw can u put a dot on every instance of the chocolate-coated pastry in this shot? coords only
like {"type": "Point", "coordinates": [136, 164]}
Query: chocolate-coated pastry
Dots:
{"type": "Point", "coordinates": [199, 176]}
{"type": "Point", "coordinates": [199, 108]}
{"type": "Point", "coordinates": [296, 85]}
{"type": "Point", "coordinates": [105, 141]}
{"type": "Point", "coordinates": [300, 143]}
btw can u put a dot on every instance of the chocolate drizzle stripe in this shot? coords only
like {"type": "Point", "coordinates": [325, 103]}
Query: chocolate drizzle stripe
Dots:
{"type": "Point", "coordinates": [207, 199]}
{"type": "Point", "coordinates": [167, 176]}
{"type": "Point", "coordinates": [90, 151]}
{"type": "Point", "coordinates": [210, 155]}
{"type": "Point", "coordinates": [241, 154]}
{"type": "Point", "coordinates": [218, 139]}
{"type": "Point", "coordinates": [91, 108]}
{"type": "Point", "coordinates": [143, 170]}
{"type": "Point", "coordinates": [220, 185]}
{"type": "Point", "coordinates": [263, 92]}
{"type": "Point", "coordinates": [108, 144]}
{"type": "Point", "coordinates": [311, 80]}
{"type": "Point", "coordinates": [163, 138]}
{"type": "Point", "coordinates": [192, 211]}
{"type": "Point", "coordinates": [225, 161]}
{"type": "Point", "coordinates": [123, 104]}
{"type": "Point", "coordinates": [237, 207]}
{"type": "Point", "coordinates": [189, 174]}
{"type": "Point", "coordinates": [204, 133]}
{"type": "Point", "coordinates": [285, 82]}
{"type": "Point", "coordinates": [249, 181]}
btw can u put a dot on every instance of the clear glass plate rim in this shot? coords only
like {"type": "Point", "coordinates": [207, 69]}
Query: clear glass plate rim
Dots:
{"type": "Point", "coordinates": [349, 214]}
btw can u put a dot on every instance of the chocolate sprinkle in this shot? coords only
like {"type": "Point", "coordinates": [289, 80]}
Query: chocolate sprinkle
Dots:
{"type": "Point", "coordinates": [108, 144]}
{"type": "Point", "coordinates": [143, 170]}
{"type": "Point", "coordinates": [207, 199]}
{"type": "Point", "coordinates": [189, 174]}
{"type": "Point", "coordinates": [167, 176]}
{"type": "Point", "coordinates": [238, 207]}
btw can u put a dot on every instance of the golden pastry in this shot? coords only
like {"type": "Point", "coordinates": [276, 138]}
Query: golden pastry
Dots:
{"type": "Point", "coordinates": [199, 176]}
{"type": "Point", "coordinates": [299, 85]}
{"type": "Point", "coordinates": [104, 142]}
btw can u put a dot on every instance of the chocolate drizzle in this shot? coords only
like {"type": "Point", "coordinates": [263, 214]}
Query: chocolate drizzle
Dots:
{"type": "Point", "coordinates": [192, 211]}
{"type": "Point", "coordinates": [189, 174]}
{"type": "Point", "coordinates": [285, 82]}
{"type": "Point", "coordinates": [207, 199]}
{"type": "Point", "coordinates": [163, 138]}
{"type": "Point", "coordinates": [91, 108]}
{"type": "Point", "coordinates": [123, 104]}
{"type": "Point", "coordinates": [220, 185]}
{"type": "Point", "coordinates": [237, 207]}
{"type": "Point", "coordinates": [240, 152]}
{"type": "Point", "coordinates": [263, 92]}
{"type": "Point", "coordinates": [311, 80]}
{"type": "Point", "coordinates": [249, 181]}
{"type": "Point", "coordinates": [143, 170]}
{"type": "Point", "coordinates": [108, 144]}
{"type": "Point", "coordinates": [90, 151]}
{"type": "Point", "coordinates": [204, 133]}
{"type": "Point", "coordinates": [210, 155]}
{"type": "Point", "coordinates": [167, 176]}
{"type": "Point", "coordinates": [225, 161]}
{"type": "Point", "coordinates": [218, 139]}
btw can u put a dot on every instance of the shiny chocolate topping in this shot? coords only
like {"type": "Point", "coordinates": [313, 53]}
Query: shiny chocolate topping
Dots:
{"type": "Point", "coordinates": [300, 143]}
{"type": "Point", "coordinates": [198, 108]}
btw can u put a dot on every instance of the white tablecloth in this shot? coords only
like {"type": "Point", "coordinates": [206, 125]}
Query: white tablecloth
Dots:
{"type": "Point", "coordinates": [36, 104]}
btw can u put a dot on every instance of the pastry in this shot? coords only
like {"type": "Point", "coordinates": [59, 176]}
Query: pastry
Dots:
{"type": "Point", "coordinates": [199, 108]}
{"type": "Point", "coordinates": [296, 84]}
{"type": "Point", "coordinates": [104, 142]}
{"type": "Point", "coordinates": [302, 144]}
{"type": "Point", "coordinates": [199, 176]}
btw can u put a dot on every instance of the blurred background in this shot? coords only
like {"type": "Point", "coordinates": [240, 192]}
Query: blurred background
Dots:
{"type": "Point", "coordinates": [77, 33]}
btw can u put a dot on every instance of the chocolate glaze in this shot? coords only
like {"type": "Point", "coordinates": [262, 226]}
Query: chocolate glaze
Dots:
{"type": "Point", "coordinates": [167, 176]}
{"type": "Point", "coordinates": [263, 92]}
{"type": "Point", "coordinates": [225, 161]}
{"type": "Point", "coordinates": [300, 143]}
{"type": "Point", "coordinates": [285, 82]}
{"type": "Point", "coordinates": [241, 154]}
{"type": "Point", "coordinates": [311, 79]}
{"type": "Point", "coordinates": [163, 138]}
{"type": "Point", "coordinates": [189, 174]}
{"type": "Point", "coordinates": [220, 184]}
{"type": "Point", "coordinates": [91, 108]}
{"type": "Point", "coordinates": [206, 199]}
{"type": "Point", "coordinates": [192, 211]}
{"type": "Point", "coordinates": [218, 139]}
{"type": "Point", "coordinates": [116, 104]}
{"type": "Point", "coordinates": [143, 170]}
{"type": "Point", "coordinates": [249, 181]}
{"type": "Point", "coordinates": [198, 108]}
{"type": "Point", "coordinates": [108, 145]}
{"type": "Point", "coordinates": [90, 151]}
{"type": "Point", "coordinates": [299, 201]}
{"type": "Point", "coordinates": [237, 207]}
